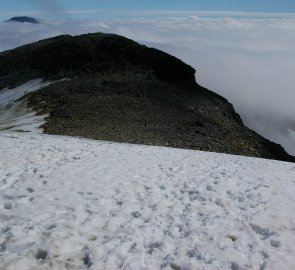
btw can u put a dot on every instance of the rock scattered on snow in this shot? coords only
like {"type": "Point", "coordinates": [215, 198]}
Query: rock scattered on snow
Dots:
{"type": "Point", "coordinates": [41, 254]}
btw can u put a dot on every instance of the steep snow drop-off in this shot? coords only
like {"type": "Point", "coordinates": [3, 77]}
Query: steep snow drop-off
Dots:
{"type": "Point", "coordinates": [70, 203]}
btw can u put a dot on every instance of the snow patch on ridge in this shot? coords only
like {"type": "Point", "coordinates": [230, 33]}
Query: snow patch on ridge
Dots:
{"type": "Point", "coordinates": [14, 114]}
{"type": "Point", "coordinates": [70, 203]}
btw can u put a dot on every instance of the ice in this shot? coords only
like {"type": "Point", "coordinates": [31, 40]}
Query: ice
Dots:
{"type": "Point", "coordinates": [70, 203]}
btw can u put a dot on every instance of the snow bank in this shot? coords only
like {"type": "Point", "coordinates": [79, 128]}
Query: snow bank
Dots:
{"type": "Point", "coordinates": [14, 114]}
{"type": "Point", "coordinates": [69, 203]}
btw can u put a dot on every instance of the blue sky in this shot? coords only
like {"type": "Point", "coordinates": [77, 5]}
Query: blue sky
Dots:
{"type": "Point", "coordinates": [285, 6]}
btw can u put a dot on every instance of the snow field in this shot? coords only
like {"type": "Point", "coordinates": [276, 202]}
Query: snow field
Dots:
{"type": "Point", "coordinates": [70, 203]}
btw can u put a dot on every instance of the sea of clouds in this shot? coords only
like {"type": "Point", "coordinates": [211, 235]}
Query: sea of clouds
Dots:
{"type": "Point", "coordinates": [250, 61]}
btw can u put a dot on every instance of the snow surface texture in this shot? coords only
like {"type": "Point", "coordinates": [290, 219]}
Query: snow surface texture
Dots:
{"type": "Point", "coordinates": [70, 203]}
{"type": "Point", "coordinates": [14, 114]}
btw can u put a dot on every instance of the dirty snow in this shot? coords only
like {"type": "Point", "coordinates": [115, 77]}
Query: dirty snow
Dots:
{"type": "Point", "coordinates": [70, 203]}
{"type": "Point", "coordinates": [14, 114]}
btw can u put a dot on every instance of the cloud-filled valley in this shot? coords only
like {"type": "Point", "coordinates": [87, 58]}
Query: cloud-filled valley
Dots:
{"type": "Point", "coordinates": [248, 61]}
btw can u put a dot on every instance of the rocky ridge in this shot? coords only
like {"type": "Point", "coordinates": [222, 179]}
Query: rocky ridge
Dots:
{"type": "Point", "coordinates": [116, 89]}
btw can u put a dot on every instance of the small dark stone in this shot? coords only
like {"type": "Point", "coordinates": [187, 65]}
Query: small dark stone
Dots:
{"type": "Point", "coordinates": [87, 259]}
{"type": "Point", "coordinates": [136, 214]}
{"type": "Point", "coordinates": [233, 238]}
{"type": "Point", "coordinates": [41, 254]}
{"type": "Point", "coordinates": [30, 189]}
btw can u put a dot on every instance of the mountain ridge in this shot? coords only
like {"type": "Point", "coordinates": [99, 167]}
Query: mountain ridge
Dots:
{"type": "Point", "coordinates": [119, 90]}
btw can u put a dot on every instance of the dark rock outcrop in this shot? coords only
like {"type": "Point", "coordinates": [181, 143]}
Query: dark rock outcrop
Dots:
{"type": "Point", "coordinates": [23, 19]}
{"type": "Point", "coordinates": [119, 90]}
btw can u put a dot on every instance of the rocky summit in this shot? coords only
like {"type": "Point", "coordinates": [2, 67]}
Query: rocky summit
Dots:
{"type": "Point", "coordinates": [108, 87]}
{"type": "Point", "coordinates": [23, 19]}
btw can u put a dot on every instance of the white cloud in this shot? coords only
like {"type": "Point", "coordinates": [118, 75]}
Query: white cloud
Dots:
{"type": "Point", "coordinates": [249, 61]}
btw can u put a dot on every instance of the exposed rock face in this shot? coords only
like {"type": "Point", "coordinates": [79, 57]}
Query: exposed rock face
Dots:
{"type": "Point", "coordinates": [23, 19]}
{"type": "Point", "coordinates": [121, 91]}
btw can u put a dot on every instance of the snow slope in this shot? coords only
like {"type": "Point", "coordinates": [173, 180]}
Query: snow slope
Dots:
{"type": "Point", "coordinates": [14, 114]}
{"type": "Point", "coordinates": [70, 203]}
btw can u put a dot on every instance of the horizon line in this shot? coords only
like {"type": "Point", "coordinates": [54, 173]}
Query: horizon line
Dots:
{"type": "Point", "coordinates": [138, 13]}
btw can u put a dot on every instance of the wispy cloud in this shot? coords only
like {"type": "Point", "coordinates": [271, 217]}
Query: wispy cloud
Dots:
{"type": "Point", "coordinates": [249, 61]}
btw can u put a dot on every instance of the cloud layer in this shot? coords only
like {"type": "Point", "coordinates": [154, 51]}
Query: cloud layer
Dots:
{"type": "Point", "coordinates": [249, 61]}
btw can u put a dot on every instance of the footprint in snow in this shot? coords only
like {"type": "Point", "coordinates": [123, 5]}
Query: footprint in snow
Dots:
{"type": "Point", "coordinates": [210, 188]}
{"type": "Point", "coordinates": [7, 205]}
{"type": "Point", "coordinates": [264, 232]}
{"type": "Point", "coordinates": [275, 243]}
{"type": "Point", "coordinates": [152, 246]}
